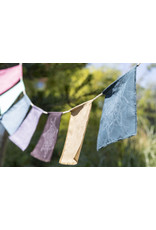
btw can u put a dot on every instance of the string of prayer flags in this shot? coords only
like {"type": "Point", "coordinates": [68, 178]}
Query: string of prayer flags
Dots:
{"type": "Point", "coordinates": [76, 132]}
{"type": "Point", "coordinates": [45, 146]}
{"type": "Point", "coordinates": [118, 120]}
{"type": "Point", "coordinates": [12, 119]}
{"type": "Point", "coordinates": [8, 98]}
{"type": "Point", "coordinates": [24, 133]}
{"type": "Point", "coordinates": [119, 116]}
{"type": "Point", "coordinates": [9, 77]}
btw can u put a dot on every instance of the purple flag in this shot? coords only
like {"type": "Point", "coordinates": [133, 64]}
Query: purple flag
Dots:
{"type": "Point", "coordinates": [45, 146]}
{"type": "Point", "coordinates": [23, 135]}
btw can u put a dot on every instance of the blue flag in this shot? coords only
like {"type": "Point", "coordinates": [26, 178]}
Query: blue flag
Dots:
{"type": "Point", "coordinates": [12, 119]}
{"type": "Point", "coordinates": [119, 116]}
{"type": "Point", "coordinates": [9, 97]}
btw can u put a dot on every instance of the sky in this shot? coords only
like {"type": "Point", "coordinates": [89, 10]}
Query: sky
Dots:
{"type": "Point", "coordinates": [144, 76]}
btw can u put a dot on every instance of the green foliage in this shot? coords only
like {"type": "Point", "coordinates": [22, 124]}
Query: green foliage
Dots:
{"type": "Point", "coordinates": [58, 87]}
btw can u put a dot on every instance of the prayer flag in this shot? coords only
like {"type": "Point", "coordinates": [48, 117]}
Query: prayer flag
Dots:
{"type": "Point", "coordinates": [119, 116]}
{"type": "Point", "coordinates": [9, 77]}
{"type": "Point", "coordinates": [24, 133]}
{"type": "Point", "coordinates": [45, 146]}
{"type": "Point", "coordinates": [76, 132]}
{"type": "Point", "coordinates": [12, 119]}
{"type": "Point", "coordinates": [8, 98]}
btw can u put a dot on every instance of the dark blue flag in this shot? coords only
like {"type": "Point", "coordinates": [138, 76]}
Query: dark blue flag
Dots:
{"type": "Point", "coordinates": [119, 116]}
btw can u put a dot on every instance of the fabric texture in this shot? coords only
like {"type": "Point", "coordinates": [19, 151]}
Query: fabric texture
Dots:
{"type": "Point", "coordinates": [76, 132]}
{"type": "Point", "coordinates": [9, 77]}
{"type": "Point", "coordinates": [24, 133]}
{"type": "Point", "coordinates": [8, 98]}
{"type": "Point", "coordinates": [45, 146]}
{"type": "Point", "coordinates": [119, 116]}
{"type": "Point", "coordinates": [12, 119]}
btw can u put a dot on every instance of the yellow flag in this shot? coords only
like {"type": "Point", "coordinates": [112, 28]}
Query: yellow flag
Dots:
{"type": "Point", "coordinates": [76, 132]}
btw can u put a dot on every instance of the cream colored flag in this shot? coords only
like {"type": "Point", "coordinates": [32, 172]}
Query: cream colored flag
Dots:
{"type": "Point", "coordinates": [76, 132]}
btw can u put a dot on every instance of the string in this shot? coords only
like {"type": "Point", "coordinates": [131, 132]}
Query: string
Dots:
{"type": "Point", "coordinates": [68, 111]}
{"type": "Point", "coordinates": [82, 104]}
{"type": "Point", "coordinates": [101, 94]}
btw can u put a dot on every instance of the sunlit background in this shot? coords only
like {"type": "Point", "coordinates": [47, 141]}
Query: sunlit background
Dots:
{"type": "Point", "coordinates": [146, 73]}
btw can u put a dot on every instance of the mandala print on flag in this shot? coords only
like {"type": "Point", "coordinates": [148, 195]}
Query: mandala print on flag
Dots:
{"type": "Point", "coordinates": [45, 146]}
{"type": "Point", "coordinates": [119, 116]}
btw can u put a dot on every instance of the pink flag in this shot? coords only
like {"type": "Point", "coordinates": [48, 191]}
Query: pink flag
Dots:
{"type": "Point", "coordinates": [24, 133]}
{"type": "Point", "coordinates": [9, 77]}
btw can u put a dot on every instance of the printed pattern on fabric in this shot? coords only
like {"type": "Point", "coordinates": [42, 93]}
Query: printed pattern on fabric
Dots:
{"type": "Point", "coordinates": [45, 146]}
{"type": "Point", "coordinates": [8, 98]}
{"type": "Point", "coordinates": [12, 119]}
{"type": "Point", "coordinates": [119, 118]}
{"type": "Point", "coordinates": [24, 133]}
{"type": "Point", "coordinates": [9, 77]}
{"type": "Point", "coordinates": [75, 135]}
